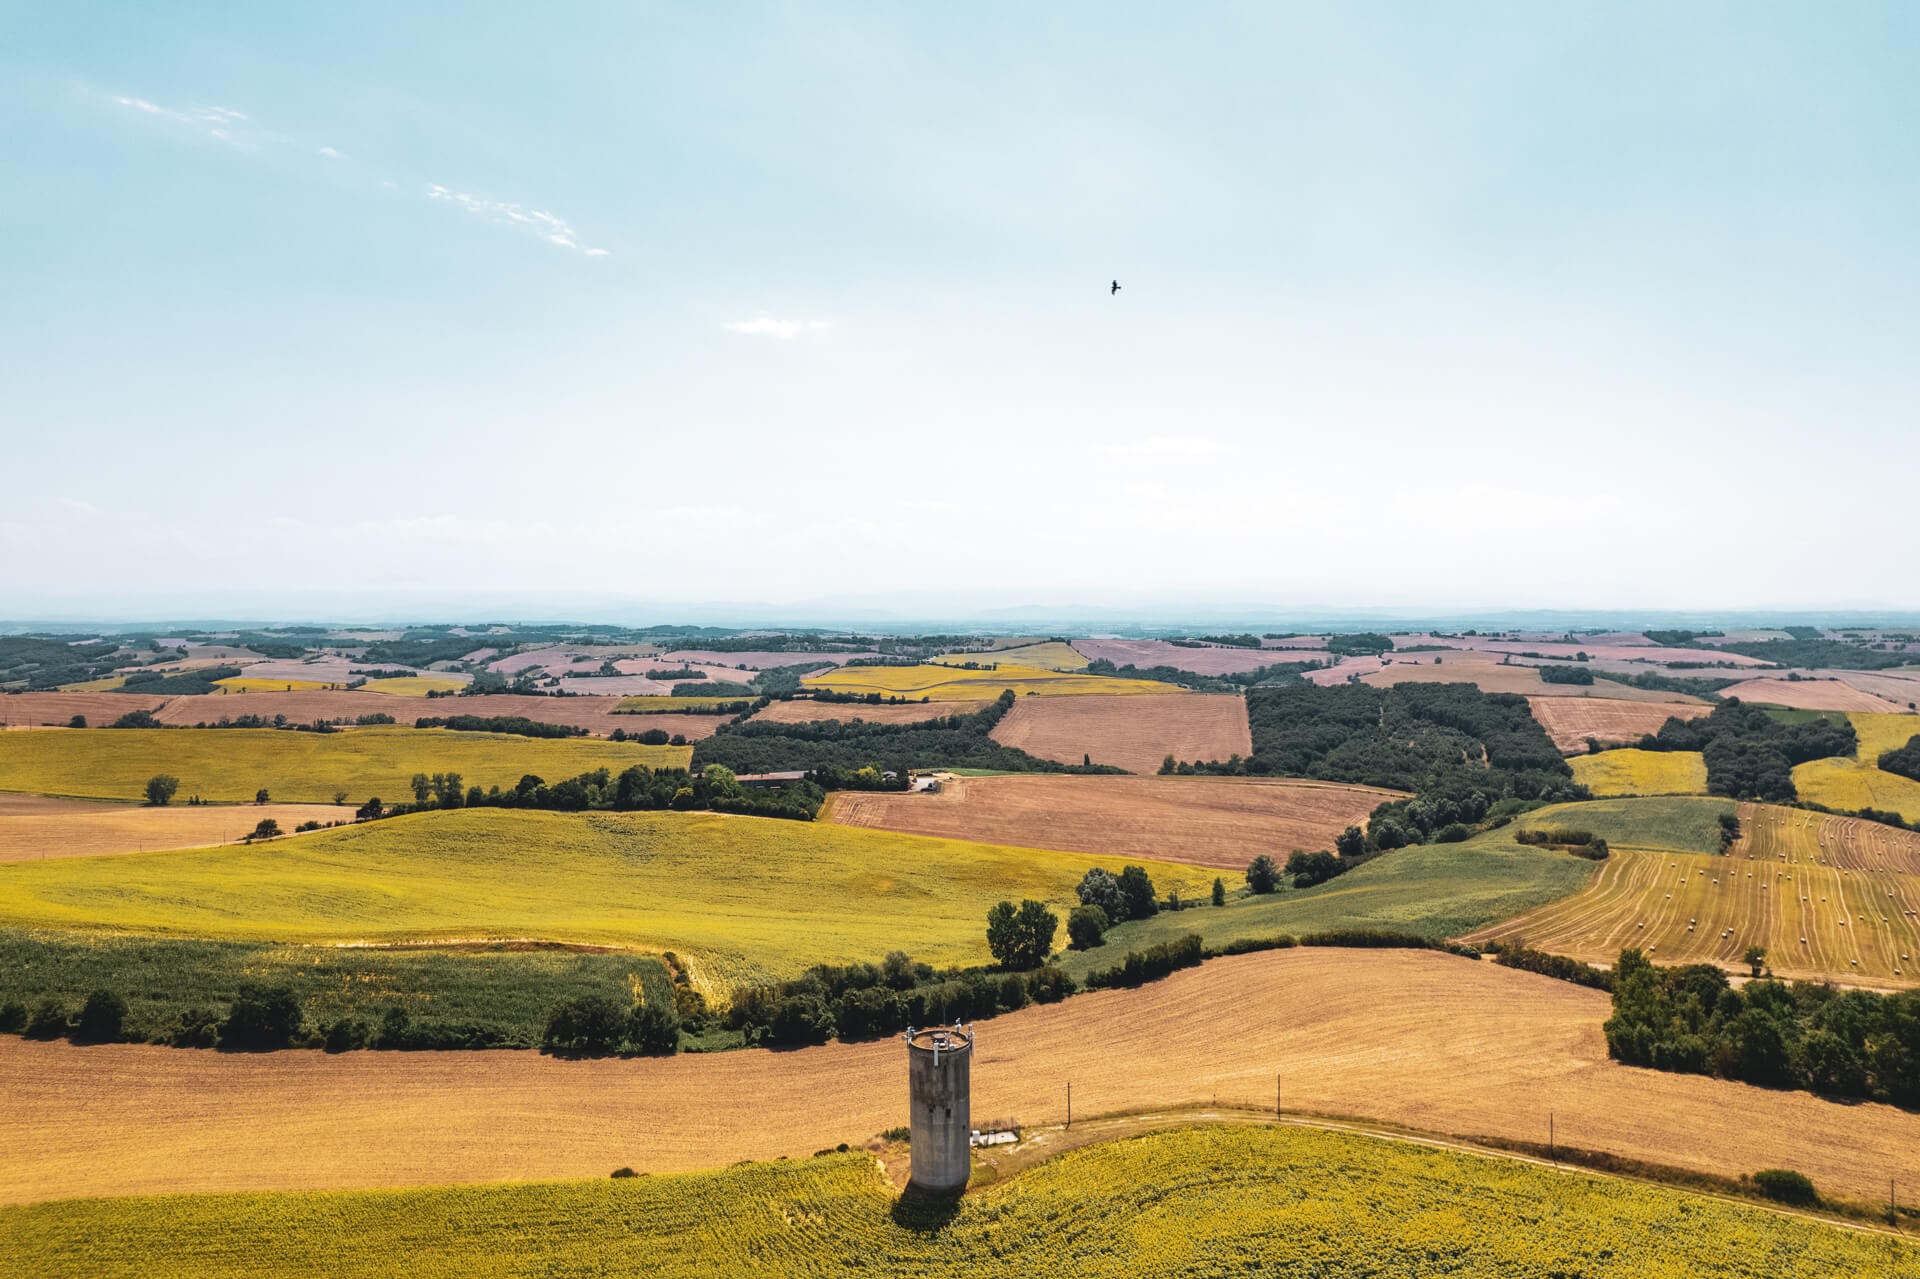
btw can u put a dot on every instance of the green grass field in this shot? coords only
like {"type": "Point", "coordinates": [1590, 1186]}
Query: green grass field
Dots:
{"type": "Point", "coordinates": [1433, 890]}
{"type": "Point", "coordinates": [1676, 824]}
{"type": "Point", "coordinates": [1191, 1201]}
{"type": "Point", "coordinates": [500, 995]}
{"type": "Point", "coordinates": [741, 898]}
{"type": "Point", "coordinates": [1636, 772]}
{"type": "Point", "coordinates": [230, 764]}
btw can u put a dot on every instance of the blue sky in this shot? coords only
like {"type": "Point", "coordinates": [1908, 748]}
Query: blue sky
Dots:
{"type": "Point", "coordinates": [1467, 304]}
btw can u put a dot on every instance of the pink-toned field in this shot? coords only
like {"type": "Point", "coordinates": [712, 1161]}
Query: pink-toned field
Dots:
{"type": "Point", "coordinates": [1810, 695]}
{"type": "Point", "coordinates": [1221, 823]}
{"type": "Point", "coordinates": [1201, 661]}
{"type": "Point", "coordinates": [1486, 671]}
{"type": "Point", "coordinates": [1609, 647]}
{"type": "Point", "coordinates": [1570, 721]}
{"type": "Point", "coordinates": [800, 711]}
{"type": "Point", "coordinates": [1134, 732]}
{"type": "Point", "coordinates": [754, 661]}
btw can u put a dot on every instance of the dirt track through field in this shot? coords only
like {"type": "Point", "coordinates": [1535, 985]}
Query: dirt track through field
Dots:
{"type": "Point", "coordinates": [36, 826]}
{"type": "Point", "coordinates": [1135, 732]}
{"type": "Point", "coordinates": [1419, 1039]}
{"type": "Point", "coordinates": [1218, 822]}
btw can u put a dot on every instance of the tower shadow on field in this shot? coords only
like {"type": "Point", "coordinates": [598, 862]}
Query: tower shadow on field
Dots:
{"type": "Point", "coordinates": [926, 1212]}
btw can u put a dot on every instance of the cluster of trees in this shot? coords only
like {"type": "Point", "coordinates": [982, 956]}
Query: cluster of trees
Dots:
{"type": "Point", "coordinates": [1816, 650]}
{"type": "Point", "coordinates": [48, 661]}
{"type": "Point", "coordinates": [599, 1026]}
{"type": "Point", "coordinates": [1242, 640]}
{"type": "Point", "coordinates": [1021, 938]}
{"type": "Point", "coordinates": [1855, 1043]}
{"type": "Point", "coordinates": [1565, 674]}
{"type": "Point", "coordinates": [862, 1001]}
{"type": "Point", "coordinates": [147, 719]}
{"type": "Point", "coordinates": [518, 725]}
{"type": "Point", "coordinates": [1360, 644]}
{"type": "Point", "coordinates": [1469, 757]}
{"type": "Point", "coordinates": [635, 789]}
{"type": "Point", "coordinates": [953, 741]}
{"type": "Point", "coordinates": [1750, 754]}
{"type": "Point", "coordinates": [677, 673]}
{"type": "Point", "coordinates": [1904, 760]}
{"type": "Point", "coordinates": [714, 688]}
{"type": "Point", "coordinates": [260, 1018]}
{"type": "Point", "coordinates": [1516, 954]}
{"type": "Point", "coordinates": [1151, 964]}
{"type": "Point", "coordinates": [1107, 899]}
{"type": "Point", "coordinates": [648, 737]}
{"type": "Point", "coordinates": [1581, 843]}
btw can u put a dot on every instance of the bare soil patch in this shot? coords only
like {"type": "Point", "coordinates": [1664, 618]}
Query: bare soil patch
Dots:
{"type": "Point", "coordinates": [595, 714]}
{"type": "Point", "coordinates": [1570, 721]}
{"type": "Point", "coordinates": [1135, 732]}
{"type": "Point", "coordinates": [1217, 822]}
{"type": "Point", "coordinates": [59, 709]}
{"type": "Point", "coordinates": [1418, 1039]}
{"type": "Point", "coordinates": [754, 661]}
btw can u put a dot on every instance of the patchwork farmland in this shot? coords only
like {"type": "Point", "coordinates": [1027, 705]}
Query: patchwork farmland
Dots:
{"type": "Point", "coordinates": [1220, 823]}
{"type": "Point", "coordinates": [1859, 783]}
{"type": "Point", "coordinates": [943, 682]}
{"type": "Point", "coordinates": [806, 711]}
{"type": "Point", "coordinates": [34, 827]}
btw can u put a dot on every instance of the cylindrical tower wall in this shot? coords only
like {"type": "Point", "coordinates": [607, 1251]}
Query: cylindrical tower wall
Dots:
{"type": "Point", "coordinates": [939, 1087]}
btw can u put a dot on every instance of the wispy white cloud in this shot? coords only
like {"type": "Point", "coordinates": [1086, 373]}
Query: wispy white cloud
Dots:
{"type": "Point", "coordinates": [547, 226]}
{"type": "Point", "coordinates": [221, 123]}
{"type": "Point", "coordinates": [1163, 446]}
{"type": "Point", "coordinates": [332, 154]}
{"type": "Point", "coordinates": [766, 326]}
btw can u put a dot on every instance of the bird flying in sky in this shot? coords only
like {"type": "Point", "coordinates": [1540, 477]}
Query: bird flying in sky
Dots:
{"type": "Point", "coordinates": [1115, 289]}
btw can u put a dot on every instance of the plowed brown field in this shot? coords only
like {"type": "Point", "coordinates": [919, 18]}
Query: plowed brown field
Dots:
{"type": "Point", "coordinates": [1219, 660]}
{"type": "Point", "coordinates": [595, 714]}
{"type": "Point", "coordinates": [36, 826]}
{"type": "Point", "coordinates": [1220, 822]}
{"type": "Point", "coordinates": [1414, 1038]}
{"type": "Point", "coordinates": [801, 712]}
{"type": "Point", "coordinates": [1570, 721]}
{"type": "Point", "coordinates": [1135, 732]}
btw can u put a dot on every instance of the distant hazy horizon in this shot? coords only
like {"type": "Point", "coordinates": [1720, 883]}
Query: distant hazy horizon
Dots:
{"type": "Point", "coordinates": [316, 310]}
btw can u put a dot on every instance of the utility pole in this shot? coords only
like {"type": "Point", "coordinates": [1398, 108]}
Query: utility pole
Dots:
{"type": "Point", "coordinates": [1550, 1154]}
{"type": "Point", "coordinates": [1069, 1105]}
{"type": "Point", "coordinates": [1276, 1098]}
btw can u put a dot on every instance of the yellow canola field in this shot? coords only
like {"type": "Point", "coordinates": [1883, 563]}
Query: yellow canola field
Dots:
{"type": "Point", "coordinates": [746, 898]}
{"type": "Point", "coordinates": [1210, 1200]}
{"type": "Point", "coordinates": [231, 764]}
{"type": "Point", "coordinates": [1853, 784]}
{"type": "Point", "coordinates": [1637, 772]}
{"type": "Point", "coordinates": [941, 683]}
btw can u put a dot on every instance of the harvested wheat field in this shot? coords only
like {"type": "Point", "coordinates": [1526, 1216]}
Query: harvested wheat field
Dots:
{"type": "Point", "coordinates": [1218, 822]}
{"type": "Point", "coordinates": [1810, 695]}
{"type": "Point", "coordinates": [1570, 721]}
{"type": "Point", "coordinates": [1415, 1038]}
{"type": "Point", "coordinates": [799, 711]}
{"type": "Point", "coordinates": [36, 827]}
{"type": "Point", "coordinates": [100, 709]}
{"type": "Point", "coordinates": [1831, 898]}
{"type": "Point", "coordinates": [1135, 732]}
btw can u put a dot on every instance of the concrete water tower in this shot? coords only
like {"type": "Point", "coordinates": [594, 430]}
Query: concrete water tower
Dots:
{"type": "Point", "coordinates": [939, 1087]}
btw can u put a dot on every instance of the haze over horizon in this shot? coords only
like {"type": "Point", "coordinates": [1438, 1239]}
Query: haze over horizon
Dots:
{"type": "Point", "coordinates": [1596, 307]}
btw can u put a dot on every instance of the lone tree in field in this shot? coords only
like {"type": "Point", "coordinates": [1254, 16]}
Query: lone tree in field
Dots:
{"type": "Point", "coordinates": [1021, 939]}
{"type": "Point", "coordinates": [160, 789]}
{"type": "Point", "coordinates": [267, 829]}
{"type": "Point", "coordinates": [1136, 886]}
{"type": "Point", "coordinates": [1755, 958]}
{"type": "Point", "coordinates": [1351, 842]}
{"type": "Point", "coordinates": [1263, 876]}
{"type": "Point", "coordinates": [1219, 891]}
{"type": "Point", "coordinates": [1099, 888]}
{"type": "Point", "coordinates": [260, 796]}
